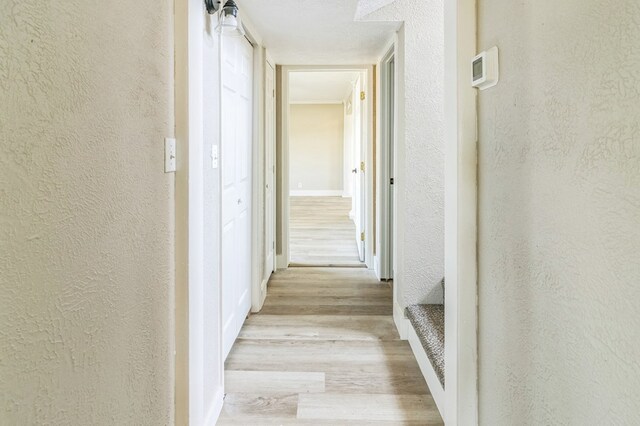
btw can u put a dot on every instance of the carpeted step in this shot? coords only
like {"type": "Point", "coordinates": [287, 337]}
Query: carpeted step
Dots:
{"type": "Point", "coordinates": [428, 322]}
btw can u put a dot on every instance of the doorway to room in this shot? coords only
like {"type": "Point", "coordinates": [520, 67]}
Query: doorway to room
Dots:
{"type": "Point", "coordinates": [326, 168]}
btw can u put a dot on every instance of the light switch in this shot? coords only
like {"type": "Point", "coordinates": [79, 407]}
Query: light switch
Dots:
{"type": "Point", "coordinates": [169, 155]}
{"type": "Point", "coordinates": [214, 156]}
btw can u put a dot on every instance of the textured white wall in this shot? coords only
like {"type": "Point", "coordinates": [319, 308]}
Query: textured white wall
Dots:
{"type": "Point", "coordinates": [559, 214]}
{"type": "Point", "coordinates": [86, 226]}
{"type": "Point", "coordinates": [316, 147]}
{"type": "Point", "coordinates": [420, 154]}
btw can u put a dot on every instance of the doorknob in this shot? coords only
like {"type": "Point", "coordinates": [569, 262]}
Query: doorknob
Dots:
{"type": "Point", "coordinates": [239, 201]}
{"type": "Point", "coordinates": [354, 171]}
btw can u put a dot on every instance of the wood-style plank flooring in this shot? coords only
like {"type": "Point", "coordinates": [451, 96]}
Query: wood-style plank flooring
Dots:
{"type": "Point", "coordinates": [325, 351]}
{"type": "Point", "coordinates": [321, 232]}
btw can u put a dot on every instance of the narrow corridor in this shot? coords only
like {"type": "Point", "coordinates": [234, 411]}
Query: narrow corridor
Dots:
{"type": "Point", "coordinates": [324, 350]}
{"type": "Point", "coordinates": [322, 233]}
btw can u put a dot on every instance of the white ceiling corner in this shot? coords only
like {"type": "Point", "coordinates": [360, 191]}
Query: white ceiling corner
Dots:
{"type": "Point", "coordinates": [313, 32]}
{"type": "Point", "coordinates": [366, 7]}
{"type": "Point", "coordinates": [320, 87]}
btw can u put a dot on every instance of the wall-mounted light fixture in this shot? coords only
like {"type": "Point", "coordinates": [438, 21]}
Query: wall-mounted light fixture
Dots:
{"type": "Point", "coordinates": [212, 6]}
{"type": "Point", "coordinates": [228, 21]}
{"type": "Point", "coordinates": [228, 17]}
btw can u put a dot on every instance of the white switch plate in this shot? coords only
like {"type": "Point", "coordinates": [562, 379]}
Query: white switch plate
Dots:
{"type": "Point", "coordinates": [169, 155]}
{"type": "Point", "coordinates": [214, 156]}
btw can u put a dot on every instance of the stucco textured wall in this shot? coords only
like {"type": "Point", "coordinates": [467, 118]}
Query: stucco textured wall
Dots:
{"type": "Point", "coordinates": [559, 214]}
{"type": "Point", "coordinates": [86, 226]}
{"type": "Point", "coordinates": [420, 157]}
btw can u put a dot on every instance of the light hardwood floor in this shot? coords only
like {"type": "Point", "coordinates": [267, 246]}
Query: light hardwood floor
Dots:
{"type": "Point", "coordinates": [321, 233]}
{"type": "Point", "coordinates": [324, 351]}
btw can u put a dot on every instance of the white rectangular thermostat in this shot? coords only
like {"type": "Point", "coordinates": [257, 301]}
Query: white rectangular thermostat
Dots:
{"type": "Point", "coordinates": [485, 69]}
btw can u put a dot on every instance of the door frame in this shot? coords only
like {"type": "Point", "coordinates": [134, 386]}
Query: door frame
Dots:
{"type": "Point", "coordinates": [269, 177]}
{"type": "Point", "coordinates": [460, 135]}
{"type": "Point", "coordinates": [387, 235]}
{"type": "Point", "coordinates": [191, 22]}
{"type": "Point", "coordinates": [284, 258]}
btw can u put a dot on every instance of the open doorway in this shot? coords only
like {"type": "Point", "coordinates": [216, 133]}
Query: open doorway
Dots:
{"type": "Point", "coordinates": [326, 168]}
{"type": "Point", "coordinates": [387, 165]}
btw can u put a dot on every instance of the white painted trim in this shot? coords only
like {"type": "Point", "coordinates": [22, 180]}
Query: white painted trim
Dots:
{"type": "Point", "coordinates": [315, 193]}
{"type": "Point", "coordinates": [385, 201]}
{"type": "Point", "coordinates": [263, 290]}
{"type": "Point", "coordinates": [284, 155]}
{"type": "Point", "coordinates": [461, 349]}
{"type": "Point", "coordinates": [398, 166]}
{"type": "Point", "coordinates": [260, 57]}
{"type": "Point", "coordinates": [376, 266]}
{"type": "Point", "coordinates": [189, 31]}
{"type": "Point", "coordinates": [281, 262]}
{"type": "Point", "coordinates": [402, 323]}
{"type": "Point", "coordinates": [429, 373]}
{"type": "Point", "coordinates": [212, 417]}
{"type": "Point", "coordinates": [369, 182]}
{"type": "Point", "coordinates": [273, 180]}
{"type": "Point", "coordinates": [257, 154]}
{"type": "Point", "coordinates": [391, 44]}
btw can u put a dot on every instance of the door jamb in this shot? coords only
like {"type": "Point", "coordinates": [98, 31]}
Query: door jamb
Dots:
{"type": "Point", "coordinates": [272, 181]}
{"type": "Point", "coordinates": [282, 161]}
{"type": "Point", "coordinates": [386, 202]}
{"type": "Point", "coordinates": [190, 26]}
{"type": "Point", "coordinates": [257, 165]}
{"type": "Point", "coordinates": [461, 347]}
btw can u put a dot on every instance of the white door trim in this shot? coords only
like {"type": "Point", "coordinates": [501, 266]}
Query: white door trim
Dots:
{"type": "Point", "coordinates": [461, 349]}
{"type": "Point", "coordinates": [190, 379]}
{"type": "Point", "coordinates": [386, 236]}
{"type": "Point", "coordinates": [270, 180]}
{"type": "Point", "coordinates": [284, 258]}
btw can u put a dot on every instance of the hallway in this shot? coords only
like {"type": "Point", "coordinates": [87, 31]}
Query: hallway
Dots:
{"type": "Point", "coordinates": [321, 232]}
{"type": "Point", "coordinates": [324, 350]}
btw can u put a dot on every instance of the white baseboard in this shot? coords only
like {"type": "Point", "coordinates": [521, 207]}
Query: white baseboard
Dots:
{"type": "Point", "coordinates": [281, 262]}
{"type": "Point", "coordinates": [376, 267]}
{"type": "Point", "coordinates": [263, 296]}
{"type": "Point", "coordinates": [315, 193]}
{"type": "Point", "coordinates": [435, 387]}
{"type": "Point", "coordinates": [401, 322]}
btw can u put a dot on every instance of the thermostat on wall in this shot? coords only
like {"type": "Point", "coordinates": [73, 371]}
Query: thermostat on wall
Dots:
{"type": "Point", "coordinates": [485, 69]}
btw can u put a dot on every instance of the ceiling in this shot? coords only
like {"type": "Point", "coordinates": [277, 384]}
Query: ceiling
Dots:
{"type": "Point", "coordinates": [314, 32]}
{"type": "Point", "coordinates": [320, 87]}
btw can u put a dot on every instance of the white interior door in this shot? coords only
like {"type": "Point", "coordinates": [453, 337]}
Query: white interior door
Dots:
{"type": "Point", "coordinates": [358, 157]}
{"type": "Point", "coordinates": [269, 173]}
{"type": "Point", "coordinates": [235, 156]}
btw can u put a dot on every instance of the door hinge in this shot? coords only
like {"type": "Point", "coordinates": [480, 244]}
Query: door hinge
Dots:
{"type": "Point", "coordinates": [362, 96]}
{"type": "Point", "coordinates": [362, 236]}
{"type": "Point", "coordinates": [362, 166]}
{"type": "Point", "coordinates": [391, 181]}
